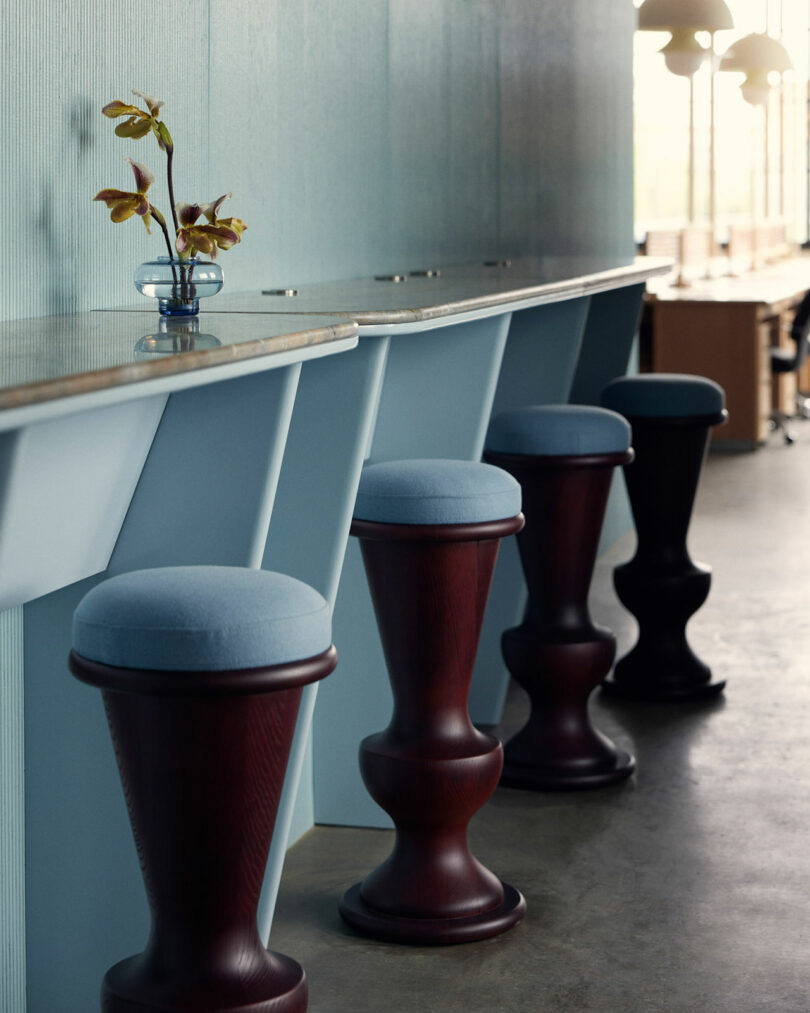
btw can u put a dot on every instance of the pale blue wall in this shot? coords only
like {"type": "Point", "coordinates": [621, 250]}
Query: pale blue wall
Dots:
{"type": "Point", "coordinates": [358, 136]}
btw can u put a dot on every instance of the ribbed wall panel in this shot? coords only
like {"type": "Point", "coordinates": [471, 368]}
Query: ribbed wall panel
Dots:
{"type": "Point", "coordinates": [60, 64]}
{"type": "Point", "coordinates": [12, 814]}
{"type": "Point", "coordinates": [357, 136]}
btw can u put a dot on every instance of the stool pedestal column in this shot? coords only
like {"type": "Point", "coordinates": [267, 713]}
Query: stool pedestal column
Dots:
{"type": "Point", "coordinates": [557, 654]}
{"type": "Point", "coordinates": [431, 770]}
{"type": "Point", "coordinates": [661, 585]}
{"type": "Point", "coordinates": [202, 757]}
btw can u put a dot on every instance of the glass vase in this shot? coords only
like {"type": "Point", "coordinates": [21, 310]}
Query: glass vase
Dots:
{"type": "Point", "coordinates": [178, 285]}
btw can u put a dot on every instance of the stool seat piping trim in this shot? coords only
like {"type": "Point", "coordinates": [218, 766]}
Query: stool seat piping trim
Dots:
{"type": "Point", "coordinates": [559, 460]}
{"type": "Point", "coordinates": [685, 421]}
{"type": "Point", "coordinates": [385, 532]}
{"type": "Point", "coordinates": [233, 682]}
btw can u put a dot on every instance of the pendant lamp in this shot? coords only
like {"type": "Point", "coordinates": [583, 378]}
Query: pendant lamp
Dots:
{"type": "Point", "coordinates": [756, 56]}
{"type": "Point", "coordinates": [683, 53]}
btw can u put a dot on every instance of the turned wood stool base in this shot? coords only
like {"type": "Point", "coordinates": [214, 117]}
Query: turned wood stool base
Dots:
{"type": "Point", "coordinates": [516, 776]}
{"type": "Point", "coordinates": [431, 931]}
{"type": "Point", "coordinates": [429, 534]}
{"type": "Point", "coordinates": [564, 457]}
{"type": "Point", "coordinates": [671, 417]}
{"type": "Point", "coordinates": [279, 986]}
{"type": "Point", "coordinates": [201, 727]}
{"type": "Point", "coordinates": [640, 693]}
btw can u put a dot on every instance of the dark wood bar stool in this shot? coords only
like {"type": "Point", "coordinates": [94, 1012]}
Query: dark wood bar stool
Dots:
{"type": "Point", "coordinates": [201, 670]}
{"type": "Point", "coordinates": [429, 533]}
{"type": "Point", "coordinates": [671, 415]}
{"type": "Point", "coordinates": [564, 457]}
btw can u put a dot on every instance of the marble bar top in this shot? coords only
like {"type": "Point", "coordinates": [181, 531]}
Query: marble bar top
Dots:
{"type": "Point", "coordinates": [456, 290]}
{"type": "Point", "coordinates": [44, 359]}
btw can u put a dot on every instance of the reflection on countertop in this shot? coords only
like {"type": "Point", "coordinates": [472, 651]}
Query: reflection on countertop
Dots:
{"type": "Point", "coordinates": [44, 358]}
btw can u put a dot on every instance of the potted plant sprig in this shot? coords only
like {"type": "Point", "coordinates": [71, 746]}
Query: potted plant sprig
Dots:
{"type": "Point", "coordinates": [179, 280]}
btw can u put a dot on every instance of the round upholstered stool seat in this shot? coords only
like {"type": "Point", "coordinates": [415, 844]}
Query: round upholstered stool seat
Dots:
{"type": "Point", "coordinates": [671, 415]}
{"type": "Point", "coordinates": [201, 618]}
{"type": "Point", "coordinates": [563, 456]}
{"type": "Point", "coordinates": [666, 396]}
{"type": "Point", "coordinates": [429, 532]}
{"type": "Point", "coordinates": [429, 492]}
{"type": "Point", "coordinates": [201, 670]}
{"type": "Point", "coordinates": [558, 430]}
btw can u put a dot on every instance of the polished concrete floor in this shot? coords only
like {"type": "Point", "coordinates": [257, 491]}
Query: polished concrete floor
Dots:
{"type": "Point", "coordinates": [688, 889]}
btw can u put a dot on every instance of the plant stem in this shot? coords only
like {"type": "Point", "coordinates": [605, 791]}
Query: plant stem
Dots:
{"type": "Point", "coordinates": [162, 223]}
{"type": "Point", "coordinates": [169, 157]}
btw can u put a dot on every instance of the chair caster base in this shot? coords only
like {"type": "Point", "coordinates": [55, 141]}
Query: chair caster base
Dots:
{"type": "Point", "coordinates": [431, 931]}
{"type": "Point", "coordinates": [281, 989]}
{"type": "Point", "coordinates": [662, 694]}
{"type": "Point", "coordinates": [547, 779]}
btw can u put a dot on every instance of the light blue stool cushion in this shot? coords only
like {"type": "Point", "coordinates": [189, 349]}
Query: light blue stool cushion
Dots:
{"type": "Point", "coordinates": [664, 395]}
{"type": "Point", "coordinates": [435, 492]}
{"type": "Point", "coordinates": [201, 618]}
{"type": "Point", "coordinates": [558, 430]}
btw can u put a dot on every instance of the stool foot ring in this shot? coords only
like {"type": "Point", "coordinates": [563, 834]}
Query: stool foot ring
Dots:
{"type": "Point", "coordinates": [432, 931]}
{"type": "Point", "coordinates": [279, 987]}
{"type": "Point", "coordinates": [555, 779]}
{"type": "Point", "coordinates": [657, 693]}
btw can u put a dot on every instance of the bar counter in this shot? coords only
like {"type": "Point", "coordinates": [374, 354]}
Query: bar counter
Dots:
{"type": "Point", "coordinates": [243, 449]}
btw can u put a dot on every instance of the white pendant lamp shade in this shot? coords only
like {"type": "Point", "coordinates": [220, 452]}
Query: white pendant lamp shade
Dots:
{"type": "Point", "coordinates": [683, 53]}
{"type": "Point", "coordinates": [694, 15]}
{"type": "Point", "coordinates": [756, 56]}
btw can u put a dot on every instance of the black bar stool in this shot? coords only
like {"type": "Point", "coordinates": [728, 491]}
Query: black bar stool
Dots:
{"type": "Point", "coordinates": [671, 415]}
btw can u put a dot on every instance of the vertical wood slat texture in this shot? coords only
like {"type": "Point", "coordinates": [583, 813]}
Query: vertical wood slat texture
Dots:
{"type": "Point", "coordinates": [12, 813]}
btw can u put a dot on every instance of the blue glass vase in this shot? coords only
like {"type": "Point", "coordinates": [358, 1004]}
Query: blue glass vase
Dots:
{"type": "Point", "coordinates": [178, 285]}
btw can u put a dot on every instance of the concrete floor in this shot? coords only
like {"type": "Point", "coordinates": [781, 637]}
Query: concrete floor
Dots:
{"type": "Point", "coordinates": [688, 889]}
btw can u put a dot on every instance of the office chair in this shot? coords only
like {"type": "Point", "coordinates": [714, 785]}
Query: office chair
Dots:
{"type": "Point", "coordinates": [786, 360]}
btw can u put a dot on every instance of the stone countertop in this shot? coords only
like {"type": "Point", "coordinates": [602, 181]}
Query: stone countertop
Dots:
{"type": "Point", "coordinates": [49, 358]}
{"type": "Point", "coordinates": [456, 290]}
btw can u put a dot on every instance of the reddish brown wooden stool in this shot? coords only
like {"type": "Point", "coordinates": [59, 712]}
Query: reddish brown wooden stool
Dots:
{"type": "Point", "coordinates": [201, 670]}
{"type": "Point", "coordinates": [564, 457]}
{"type": "Point", "coordinates": [671, 415]}
{"type": "Point", "coordinates": [429, 533]}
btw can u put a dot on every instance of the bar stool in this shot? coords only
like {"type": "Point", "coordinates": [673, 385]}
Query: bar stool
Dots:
{"type": "Point", "coordinates": [429, 532]}
{"type": "Point", "coordinates": [670, 415]}
{"type": "Point", "coordinates": [201, 670]}
{"type": "Point", "coordinates": [563, 456]}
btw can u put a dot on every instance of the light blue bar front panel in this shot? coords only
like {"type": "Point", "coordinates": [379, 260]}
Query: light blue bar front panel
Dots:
{"type": "Point", "coordinates": [12, 812]}
{"type": "Point", "coordinates": [331, 427]}
{"type": "Point", "coordinates": [205, 496]}
{"type": "Point", "coordinates": [436, 402]}
{"type": "Point", "coordinates": [539, 365]}
{"type": "Point", "coordinates": [607, 352]}
{"type": "Point", "coordinates": [608, 341]}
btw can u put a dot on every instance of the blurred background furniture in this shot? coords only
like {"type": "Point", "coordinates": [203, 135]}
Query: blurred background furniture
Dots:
{"type": "Point", "coordinates": [791, 361]}
{"type": "Point", "coordinates": [724, 329]}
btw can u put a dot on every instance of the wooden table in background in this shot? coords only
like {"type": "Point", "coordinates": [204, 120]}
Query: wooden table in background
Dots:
{"type": "Point", "coordinates": [723, 328]}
